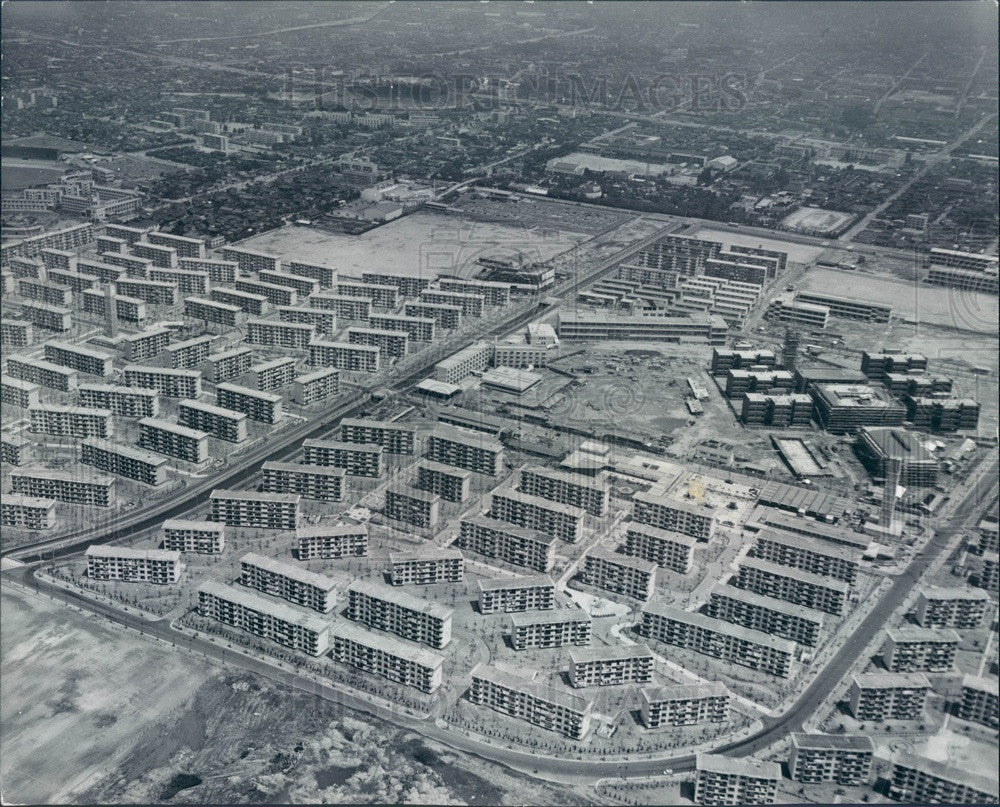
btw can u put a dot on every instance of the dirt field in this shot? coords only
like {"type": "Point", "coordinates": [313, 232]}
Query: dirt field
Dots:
{"type": "Point", "coordinates": [105, 718]}
{"type": "Point", "coordinates": [816, 219]}
{"type": "Point", "coordinates": [421, 244]}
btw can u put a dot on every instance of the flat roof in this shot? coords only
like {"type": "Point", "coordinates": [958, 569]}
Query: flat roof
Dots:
{"type": "Point", "coordinates": [720, 626]}
{"type": "Point", "coordinates": [105, 551]}
{"type": "Point", "coordinates": [253, 393]}
{"type": "Point", "coordinates": [684, 692]}
{"type": "Point", "coordinates": [82, 349]}
{"type": "Point", "coordinates": [212, 409]}
{"type": "Point", "coordinates": [301, 467]}
{"type": "Point", "coordinates": [525, 533]}
{"type": "Point", "coordinates": [795, 574]}
{"type": "Point", "coordinates": [542, 503]}
{"type": "Point", "coordinates": [193, 524]}
{"type": "Point", "coordinates": [438, 387]}
{"type": "Point", "coordinates": [255, 602]}
{"type": "Point", "coordinates": [315, 375]}
{"type": "Point", "coordinates": [22, 500]}
{"type": "Point", "coordinates": [18, 383]}
{"type": "Point", "coordinates": [337, 529]}
{"type": "Point", "coordinates": [387, 644]}
{"type": "Point", "coordinates": [280, 323]}
{"type": "Point", "coordinates": [961, 776]}
{"type": "Point", "coordinates": [131, 452]}
{"type": "Point", "coordinates": [558, 616]}
{"type": "Point", "coordinates": [380, 591]}
{"type": "Point", "coordinates": [833, 742]}
{"type": "Point", "coordinates": [510, 583]}
{"type": "Point", "coordinates": [347, 345]}
{"type": "Point", "coordinates": [550, 694]}
{"type": "Point", "coordinates": [622, 560]}
{"type": "Point", "coordinates": [953, 593]}
{"type": "Point", "coordinates": [917, 634]}
{"type": "Point", "coordinates": [981, 683]}
{"type": "Point", "coordinates": [455, 434]}
{"type": "Point", "coordinates": [788, 522]}
{"type": "Point", "coordinates": [255, 496]}
{"type": "Point", "coordinates": [288, 570]}
{"type": "Point", "coordinates": [337, 445]}
{"type": "Point", "coordinates": [425, 554]}
{"type": "Point", "coordinates": [465, 353]}
{"type": "Point", "coordinates": [370, 423]}
{"type": "Point", "coordinates": [511, 378]}
{"type": "Point", "coordinates": [220, 305]}
{"type": "Point", "coordinates": [738, 766]}
{"type": "Point", "coordinates": [279, 362]}
{"type": "Point", "coordinates": [174, 428]}
{"type": "Point", "coordinates": [770, 603]}
{"type": "Point", "coordinates": [71, 410]}
{"type": "Point", "coordinates": [566, 476]}
{"type": "Point", "coordinates": [411, 492]}
{"type": "Point", "coordinates": [65, 476]}
{"type": "Point", "coordinates": [808, 543]}
{"type": "Point", "coordinates": [145, 368]}
{"type": "Point", "coordinates": [672, 502]}
{"type": "Point", "coordinates": [584, 655]}
{"type": "Point", "coordinates": [448, 470]}
{"type": "Point", "coordinates": [665, 535]}
{"type": "Point", "coordinates": [119, 388]}
{"type": "Point", "coordinates": [891, 680]}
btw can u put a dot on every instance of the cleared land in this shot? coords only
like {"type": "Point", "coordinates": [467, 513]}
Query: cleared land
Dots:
{"type": "Point", "coordinates": [815, 219]}
{"type": "Point", "coordinates": [421, 245]}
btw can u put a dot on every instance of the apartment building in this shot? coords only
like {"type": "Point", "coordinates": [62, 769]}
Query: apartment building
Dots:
{"type": "Point", "coordinates": [166, 381]}
{"type": "Point", "coordinates": [920, 649]}
{"type": "Point", "coordinates": [275, 333]}
{"type": "Point", "coordinates": [357, 459]}
{"type": "Point", "coordinates": [64, 486]}
{"type": "Point", "coordinates": [387, 657]}
{"type": "Point", "coordinates": [395, 438]}
{"type": "Point", "coordinates": [249, 260]}
{"type": "Point", "coordinates": [507, 595]}
{"type": "Point", "coordinates": [43, 373]}
{"type": "Point", "coordinates": [541, 705]}
{"type": "Point", "coordinates": [684, 705]}
{"type": "Point", "coordinates": [406, 285]}
{"type": "Point", "coordinates": [391, 344]}
{"type": "Point", "coordinates": [599, 326]}
{"type": "Point", "coordinates": [264, 407]}
{"type": "Point", "coordinates": [186, 282]}
{"type": "Point", "coordinates": [519, 355]}
{"type": "Point", "coordinates": [150, 292]}
{"type": "Point", "coordinates": [69, 421]}
{"type": "Point", "coordinates": [144, 345]}
{"type": "Point", "coordinates": [719, 639]}
{"type": "Point", "coordinates": [610, 666]}
{"type": "Point", "coordinates": [228, 364]}
{"type": "Point", "coordinates": [14, 450]}
{"type": "Point", "coordinates": [841, 759]}
{"type": "Point", "coordinates": [189, 353]}
{"type": "Point", "coordinates": [302, 286]}
{"type": "Point", "coordinates": [320, 482]}
{"type": "Point", "coordinates": [807, 554]}
{"type": "Point", "coordinates": [128, 461]}
{"type": "Point", "coordinates": [462, 448]}
{"type": "Point", "coordinates": [345, 356]}
{"type": "Point", "coordinates": [341, 541]}
{"type": "Point", "coordinates": [792, 585]}
{"type": "Point", "coordinates": [44, 291]}
{"type": "Point", "coordinates": [676, 515]}
{"type": "Point", "coordinates": [15, 392]}
{"type": "Point", "coordinates": [665, 548]}
{"type": "Point", "coordinates": [446, 317]}
{"type": "Point", "coordinates": [127, 309]}
{"type": "Point", "coordinates": [215, 311]}
{"type": "Point", "coordinates": [292, 583]}
{"type": "Point", "coordinates": [844, 408]}
{"type": "Point", "coordinates": [979, 701]}
{"type": "Point", "coordinates": [16, 333]}
{"type": "Point", "coordinates": [879, 365]}
{"type": "Point", "coordinates": [49, 317]}
{"type": "Point", "coordinates": [323, 321]}
{"type": "Point", "coordinates": [492, 292]}
{"type": "Point", "coordinates": [27, 512]}
{"type": "Point", "coordinates": [272, 292]}
{"type": "Point", "coordinates": [187, 535]}
{"type": "Point", "coordinates": [165, 257]}
{"type": "Point", "coordinates": [566, 488]}
{"type": "Point", "coordinates": [326, 275]}
{"type": "Point", "coordinates": [965, 279]}
{"type": "Point", "coordinates": [473, 359]}
{"type": "Point", "coordinates": [765, 614]}
{"type": "Point", "coordinates": [393, 610]}
{"type": "Point", "coordinates": [417, 329]}
{"type": "Point", "coordinates": [741, 382]}
{"type": "Point", "coordinates": [275, 621]}
{"type": "Point", "coordinates": [413, 506]}
{"type": "Point", "coordinates": [159, 566]}
{"type": "Point", "coordinates": [248, 302]}
{"type": "Point", "coordinates": [722, 780]}
{"type": "Point", "coordinates": [129, 402]}
{"type": "Point", "coordinates": [427, 566]}
{"type": "Point", "coordinates": [959, 608]}
{"type": "Point", "coordinates": [104, 272]}
{"type": "Point", "coordinates": [918, 780]}
{"type": "Point", "coordinates": [847, 308]}
{"type": "Point", "coordinates": [888, 696]}
{"type": "Point", "coordinates": [451, 484]}
{"type": "Point", "coordinates": [133, 265]}
{"type": "Point", "coordinates": [223, 424]}
{"type": "Point", "coordinates": [246, 508]}
{"type": "Point", "coordinates": [515, 545]}
{"type": "Point", "coordinates": [273, 374]}
{"type": "Point", "coordinates": [316, 386]}
{"type": "Point", "coordinates": [546, 629]}
{"type": "Point", "coordinates": [349, 308]}
{"type": "Point", "coordinates": [381, 296]}
{"type": "Point", "coordinates": [558, 520]}
{"type": "Point", "coordinates": [621, 574]}
{"type": "Point", "coordinates": [471, 305]}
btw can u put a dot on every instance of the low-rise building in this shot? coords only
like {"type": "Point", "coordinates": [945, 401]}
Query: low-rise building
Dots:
{"type": "Point", "coordinates": [610, 666]}
{"type": "Point", "coordinates": [842, 759]}
{"type": "Point", "coordinates": [396, 611]}
{"type": "Point", "coordinates": [187, 535]}
{"type": "Point", "coordinates": [427, 566]}
{"type": "Point", "coordinates": [684, 705]}
{"type": "Point", "coordinates": [130, 565]}
{"type": "Point", "coordinates": [507, 595]}
{"type": "Point", "coordinates": [888, 696]}
{"type": "Point", "coordinates": [292, 583]}
{"type": "Point", "coordinates": [722, 780]}
{"type": "Point", "coordinates": [341, 541]}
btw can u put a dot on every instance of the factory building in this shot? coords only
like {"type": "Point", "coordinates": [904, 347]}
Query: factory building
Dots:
{"type": "Point", "coordinates": [610, 666]}
{"type": "Point", "coordinates": [244, 508]}
{"type": "Point", "coordinates": [387, 657]}
{"type": "Point", "coordinates": [665, 548]}
{"type": "Point", "coordinates": [684, 705]}
{"type": "Point", "coordinates": [390, 609]}
{"type": "Point", "coordinates": [719, 639]}
{"type": "Point", "coordinates": [357, 459]}
{"type": "Point", "coordinates": [128, 461]}
{"type": "Point", "coordinates": [202, 537]}
{"type": "Point", "coordinates": [342, 541]}
{"type": "Point", "coordinates": [515, 545]}
{"type": "Point", "coordinates": [534, 593]}
{"type": "Point", "coordinates": [292, 583]}
{"type": "Point", "coordinates": [265, 618]}
{"type": "Point", "coordinates": [621, 574]}
{"type": "Point", "coordinates": [538, 704]}
{"type": "Point", "coordinates": [425, 567]}
{"type": "Point", "coordinates": [547, 629]}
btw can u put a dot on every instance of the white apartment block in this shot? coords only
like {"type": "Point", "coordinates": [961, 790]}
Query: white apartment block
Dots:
{"type": "Point", "coordinates": [381, 296]}
{"type": "Point", "coordinates": [187, 535]}
{"type": "Point", "coordinates": [545, 629]}
{"type": "Point", "coordinates": [766, 614]}
{"type": "Point", "coordinates": [15, 392]}
{"type": "Point", "coordinates": [684, 705]}
{"type": "Point", "coordinates": [280, 623]}
{"type": "Point", "coordinates": [558, 520]}
{"type": "Point", "coordinates": [888, 696]}
{"type": "Point", "coordinates": [920, 649]}
{"type": "Point", "coordinates": [507, 595]}
{"type": "Point", "coordinates": [264, 407]}
{"type": "Point", "coordinates": [272, 292]}
{"type": "Point", "coordinates": [228, 364]}
{"type": "Point", "coordinates": [722, 780]}
{"type": "Point", "coordinates": [842, 759]}
{"type": "Point", "coordinates": [959, 608]}
{"type": "Point", "coordinates": [391, 344]}
{"type": "Point", "coordinates": [390, 609]}
{"type": "Point", "coordinates": [418, 329]}
{"type": "Point", "coordinates": [395, 438]}
{"type": "Point", "coordinates": [471, 305]}
{"type": "Point", "coordinates": [244, 508]}
{"type": "Point", "coordinates": [451, 484]}
{"type": "Point", "coordinates": [273, 374]}
{"type": "Point", "coordinates": [320, 482]}
{"type": "Point", "coordinates": [173, 440]}
{"type": "Point", "coordinates": [216, 311]}
{"type": "Point", "coordinates": [413, 506]}
{"type": "Point", "coordinates": [122, 460]}
{"type": "Point", "coordinates": [668, 513]}
{"type": "Point", "coordinates": [128, 402]}
{"type": "Point", "coordinates": [792, 585]}
{"type": "Point", "coordinates": [27, 512]}
{"type": "Point", "coordinates": [189, 353]}
{"type": "Point", "coordinates": [473, 359]}
{"type": "Point", "coordinates": [223, 424]}
{"type": "Point", "coordinates": [808, 554]}
{"type": "Point", "coordinates": [255, 304]}
{"type": "Point", "coordinates": [462, 448]}
{"type": "Point", "coordinates": [302, 286]}
{"type": "Point", "coordinates": [79, 357]}
{"type": "Point", "coordinates": [566, 488]}
{"type": "Point", "coordinates": [357, 459]}
{"type": "Point", "coordinates": [610, 666]}
{"type": "Point", "coordinates": [341, 541]}
{"type": "Point", "coordinates": [166, 381]}
{"type": "Point", "coordinates": [133, 565]}
{"type": "Point", "coordinates": [322, 321]}
{"type": "Point", "coordinates": [621, 574]}
{"type": "Point", "coordinates": [248, 260]}
{"type": "Point", "coordinates": [349, 308]}
{"type": "Point", "coordinates": [387, 657]}
{"type": "Point", "coordinates": [446, 317]}
{"type": "Point", "coordinates": [43, 373]}
{"type": "Point", "coordinates": [187, 282]}
{"type": "Point", "coordinates": [292, 583]}
{"type": "Point", "coordinates": [275, 333]}
{"type": "Point", "coordinates": [424, 567]}
{"type": "Point", "coordinates": [316, 386]}
{"type": "Point", "coordinates": [665, 548]}
{"type": "Point", "coordinates": [64, 486]}
{"type": "Point", "coordinates": [70, 421]}
{"type": "Point", "coordinates": [344, 356]}
{"type": "Point", "coordinates": [515, 545]}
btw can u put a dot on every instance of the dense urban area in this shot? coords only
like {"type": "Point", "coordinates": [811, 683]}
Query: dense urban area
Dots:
{"type": "Point", "coordinates": [484, 403]}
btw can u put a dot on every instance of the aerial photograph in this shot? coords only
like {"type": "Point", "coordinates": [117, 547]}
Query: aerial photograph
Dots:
{"type": "Point", "coordinates": [499, 402]}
